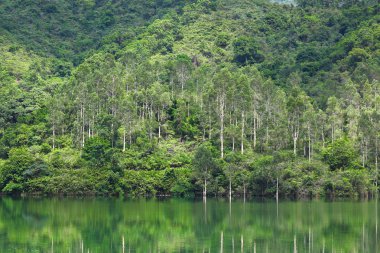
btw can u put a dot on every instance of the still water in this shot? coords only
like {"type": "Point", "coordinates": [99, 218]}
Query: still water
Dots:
{"type": "Point", "coordinates": [177, 225]}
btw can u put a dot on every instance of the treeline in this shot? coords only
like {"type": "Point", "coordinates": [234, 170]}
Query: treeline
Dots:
{"type": "Point", "coordinates": [193, 106]}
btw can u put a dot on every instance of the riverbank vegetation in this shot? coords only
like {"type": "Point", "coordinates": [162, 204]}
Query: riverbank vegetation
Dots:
{"type": "Point", "coordinates": [190, 98]}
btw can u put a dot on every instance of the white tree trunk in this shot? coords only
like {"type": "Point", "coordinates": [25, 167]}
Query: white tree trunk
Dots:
{"type": "Point", "coordinates": [295, 138]}
{"type": "Point", "coordinates": [242, 243]}
{"type": "Point", "coordinates": [277, 189]}
{"type": "Point", "coordinates": [221, 111]}
{"type": "Point", "coordinates": [230, 193]}
{"type": "Point", "coordinates": [244, 191]}
{"type": "Point", "coordinates": [210, 128]}
{"type": "Point", "coordinates": [124, 135]}
{"type": "Point", "coordinates": [309, 142]}
{"type": "Point", "coordinates": [82, 115]}
{"type": "Point", "coordinates": [221, 242]}
{"type": "Point", "coordinates": [205, 188]}
{"type": "Point", "coordinates": [53, 136]}
{"type": "Point", "coordinates": [254, 130]}
{"type": "Point", "coordinates": [242, 132]}
{"type": "Point", "coordinates": [159, 126]}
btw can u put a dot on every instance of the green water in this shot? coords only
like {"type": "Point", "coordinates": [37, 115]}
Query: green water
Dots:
{"type": "Point", "coordinates": [174, 225]}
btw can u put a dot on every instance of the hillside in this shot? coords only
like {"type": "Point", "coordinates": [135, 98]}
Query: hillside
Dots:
{"type": "Point", "coordinates": [168, 97]}
{"type": "Point", "coordinates": [70, 29]}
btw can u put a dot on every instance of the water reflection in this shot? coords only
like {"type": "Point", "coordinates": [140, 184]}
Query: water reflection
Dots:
{"type": "Point", "coordinates": [99, 225]}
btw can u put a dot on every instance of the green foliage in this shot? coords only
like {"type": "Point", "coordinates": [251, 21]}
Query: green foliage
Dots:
{"type": "Point", "coordinates": [96, 152]}
{"type": "Point", "coordinates": [70, 29]}
{"type": "Point", "coordinates": [148, 183]}
{"type": "Point", "coordinates": [340, 154]}
{"type": "Point", "coordinates": [38, 169]}
{"type": "Point", "coordinates": [203, 160]}
{"type": "Point", "coordinates": [247, 51]}
{"type": "Point", "coordinates": [14, 171]}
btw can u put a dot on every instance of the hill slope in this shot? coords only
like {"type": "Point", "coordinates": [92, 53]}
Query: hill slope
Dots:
{"type": "Point", "coordinates": [69, 29]}
{"type": "Point", "coordinates": [206, 93]}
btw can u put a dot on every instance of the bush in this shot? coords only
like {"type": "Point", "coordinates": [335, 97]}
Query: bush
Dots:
{"type": "Point", "coordinates": [95, 152]}
{"type": "Point", "coordinates": [12, 174]}
{"type": "Point", "coordinates": [65, 158]}
{"type": "Point", "coordinates": [77, 182]}
{"type": "Point", "coordinates": [340, 154]}
{"type": "Point", "coordinates": [142, 183]}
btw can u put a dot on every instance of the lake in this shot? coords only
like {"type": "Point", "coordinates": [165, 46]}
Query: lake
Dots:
{"type": "Point", "coordinates": [179, 225]}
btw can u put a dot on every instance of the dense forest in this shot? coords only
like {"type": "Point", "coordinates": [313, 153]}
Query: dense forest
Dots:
{"type": "Point", "coordinates": [212, 97]}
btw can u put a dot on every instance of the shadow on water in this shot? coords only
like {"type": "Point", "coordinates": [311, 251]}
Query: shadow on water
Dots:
{"type": "Point", "coordinates": [187, 225]}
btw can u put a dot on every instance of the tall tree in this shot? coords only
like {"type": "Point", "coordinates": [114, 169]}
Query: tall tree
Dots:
{"type": "Point", "coordinates": [222, 81]}
{"type": "Point", "coordinates": [203, 164]}
{"type": "Point", "coordinates": [297, 105]}
{"type": "Point", "coordinates": [243, 95]}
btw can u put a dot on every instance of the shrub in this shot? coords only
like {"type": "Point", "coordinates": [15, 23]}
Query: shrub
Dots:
{"type": "Point", "coordinates": [95, 152]}
{"type": "Point", "coordinates": [340, 154]}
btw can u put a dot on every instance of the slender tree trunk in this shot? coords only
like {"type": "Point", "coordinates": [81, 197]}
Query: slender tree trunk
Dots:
{"type": "Point", "coordinates": [221, 242]}
{"type": "Point", "coordinates": [295, 138]}
{"type": "Point", "coordinates": [159, 131]}
{"type": "Point", "coordinates": [112, 134]}
{"type": "Point", "coordinates": [362, 151]}
{"type": "Point", "coordinates": [205, 188]}
{"type": "Point", "coordinates": [82, 114]}
{"type": "Point", "coordinates": [53, 136]}
{"type": "Point", "coordinates": [277, 189]}
{"type": "Point", "coordinates": [159, 126]}
{"type": "Point", "coordinates": [230, 193]}
{"type": "Point", "coordinates": [150, 114]}
{"type": "Point", "coordinates": [376, 162]}
{"type": "Point", "coordinates": [323, 246]}
{"type": "Point", "coordinates": [124, 133]}
{"type": "Point", "coordinates": [366, 150]}
{"type": "Point", "coordinates": [254, 130]}
{"type": "Point", "coordinates": [221, 109]}
{"type": "Point", "coordinates": [242, 244]}
{"type": "Point", "coordinates": [210, 127]}
{"type": "Point", "coordinates": [244, 191]}
{"type": "Point", "coordinates": [221, 141]}
{"type": "Point", "coordinates": [242, 132]}
{"type": "Point", "coordinates": [309, 142]}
